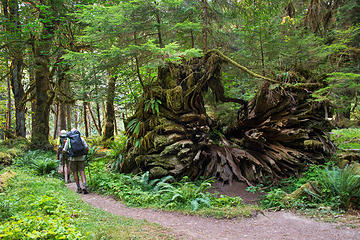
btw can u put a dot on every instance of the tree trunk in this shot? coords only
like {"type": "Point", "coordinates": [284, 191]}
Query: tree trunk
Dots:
{"type": "Point", "coordinates": [33, 102]}
{"type": "Point", "coordinates": [68, 116]}
{"type": "Point", "coordinates": [41, 51]}
{"type": "Point", "coordinates": [192, 39]}
{"type": "Point", "coordinates": [13, 31]}
{"type": "Point", "coordinates": [205, 25]}
{"type": "Point", "coordinates": [98, 117]}
{"type": "Point", "coordinates": [76, 109]}
{"type": "Point", "coordinates": [158, 26]}
{"type": "Point", "coordinates": [89, 122]}
{"type": "Point", "coordinates": [85, 120]}
{"type": "Point", "coordinates": [274, 136]}
{"type": "Point", "coordinates": [56, 120]}
{"type": "Point", "coordinates": [8, 112]}
{"type": "Point", "coordinates": [115, 125]}
{"type": "Point", "coordinates": [18, 91]}
{"type": "Point", "coordinates": [94, 120]}
{"type": "Point", "coordinates": [62, 116]}
{"type": "Point", "coordinates": [110, 112]}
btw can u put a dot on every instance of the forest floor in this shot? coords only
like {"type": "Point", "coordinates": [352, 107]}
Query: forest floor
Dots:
{"type": "Point", "coordinates": [281, 225]}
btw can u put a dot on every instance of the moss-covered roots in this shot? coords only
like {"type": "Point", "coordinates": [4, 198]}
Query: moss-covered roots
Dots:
{"type": "Point", "coordinates": [276, 134]}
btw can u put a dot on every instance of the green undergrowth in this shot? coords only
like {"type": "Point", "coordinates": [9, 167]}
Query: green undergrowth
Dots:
{"type": "Point", "coordinates": [347, 138]}
{"type": "Point", "coordinates": [10, 149]}
{"type": "Point", "coordinates": [38, 162]}
{"type": "Point", "coordinates": [166, 193]}
{"type": "Point", "coordinates": [331, 189]}
{"type": "Point", "coordinates": [39, 207]}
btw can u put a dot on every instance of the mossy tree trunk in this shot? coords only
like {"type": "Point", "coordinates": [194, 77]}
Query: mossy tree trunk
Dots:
{"type": "Point", "coordinates": [44, 96]}
{"type": "Point", "coordinates": [276, 134]}
{"type": "Point", "coordinates": [12, 27]}
{"type": "Point", "coordinates": [110, 112]}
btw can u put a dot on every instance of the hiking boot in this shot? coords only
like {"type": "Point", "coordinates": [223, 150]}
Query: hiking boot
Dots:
{"type": "Point", "coordinates": [85, 191]}
{"type": "Point", "coordinates": [79, 190]}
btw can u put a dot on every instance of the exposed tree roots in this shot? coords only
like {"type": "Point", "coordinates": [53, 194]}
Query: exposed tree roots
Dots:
{"type": "Point", "coordinates": [276, 135]}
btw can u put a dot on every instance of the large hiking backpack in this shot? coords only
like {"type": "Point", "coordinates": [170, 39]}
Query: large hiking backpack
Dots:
{"type": "Point", "coordinates": [76, 146]}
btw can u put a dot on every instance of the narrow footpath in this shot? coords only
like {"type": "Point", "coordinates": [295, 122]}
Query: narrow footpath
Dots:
{"type": "Point", "coordinates": [280, 225]}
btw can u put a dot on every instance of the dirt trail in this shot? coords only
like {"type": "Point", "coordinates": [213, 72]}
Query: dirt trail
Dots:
{"type": "Point", "coordinates": [273, 226]}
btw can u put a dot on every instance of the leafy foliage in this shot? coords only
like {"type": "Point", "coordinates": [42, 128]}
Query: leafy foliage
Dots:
{"type": "Point", "coordinates": [340, 186]}
{"type": "Point", "coordinates": [334, 187]}
{"type": "Point", "coordinates": [165, 193]}
{"type": "Point", "coordinates": [28, 214]}
{"type": "Point", "coordinates": [346, 138]}
{"type": "Point", "coordinates": [38, 207]}
{"type": "Point", "coordinates": [39, 161]}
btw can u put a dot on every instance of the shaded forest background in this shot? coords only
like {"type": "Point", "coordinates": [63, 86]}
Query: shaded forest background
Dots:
{"type": "Point", "coordinates": [86, 64]}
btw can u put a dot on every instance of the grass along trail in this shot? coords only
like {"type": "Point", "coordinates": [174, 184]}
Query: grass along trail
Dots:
{"type": "Point", "coordinates": [280, 225]}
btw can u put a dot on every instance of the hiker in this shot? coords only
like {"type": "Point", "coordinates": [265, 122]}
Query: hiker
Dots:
{"type": "Point", "coordinates": [63, 156]}
{"type": "Point", "coordinates": [77, 149]}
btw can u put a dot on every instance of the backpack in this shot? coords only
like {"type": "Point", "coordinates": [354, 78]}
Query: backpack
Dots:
{"type": "Point", "coordinates": [76, 146]}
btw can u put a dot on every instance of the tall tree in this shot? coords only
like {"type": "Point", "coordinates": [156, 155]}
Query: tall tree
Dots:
{"type": "Point", "coordinates": [110, 112]}
{"type": "Point", "coordinates": [15, 45]}
{"type": "Point", "coordinates": [49, 13]}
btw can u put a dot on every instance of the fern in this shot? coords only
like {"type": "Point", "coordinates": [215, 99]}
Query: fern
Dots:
{"type": "Point", "coordinates": [341, 183]}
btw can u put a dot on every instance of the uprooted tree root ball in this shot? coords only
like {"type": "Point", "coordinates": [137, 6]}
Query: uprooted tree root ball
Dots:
{"type": "Point", "coordinates": [276, 134]}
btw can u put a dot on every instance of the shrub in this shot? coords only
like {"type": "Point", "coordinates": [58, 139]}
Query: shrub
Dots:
{"type": "Point", "coordinates": [340, 184]}
{"type": "Point", "coordinates": [46, 218]}
{"type": "Point", "coordinates": [140, 191]}
{"type": "Point", "coordinates": [42, 162]}
{"type": "Point", "coordinates": [346, 138]}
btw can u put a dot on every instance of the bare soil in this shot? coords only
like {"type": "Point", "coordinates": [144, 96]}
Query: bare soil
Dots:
{"type": "Point", "coordinates": [282, 225]}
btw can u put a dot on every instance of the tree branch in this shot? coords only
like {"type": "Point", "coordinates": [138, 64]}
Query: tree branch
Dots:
{"type": "Point", "coordinates": [229, 60]}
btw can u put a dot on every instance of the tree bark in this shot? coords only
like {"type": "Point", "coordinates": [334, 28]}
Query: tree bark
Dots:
{"type": "Point", "coordinates": [76, 118]}
{"type": "Point", "coordinates": [56, 120]}
{"type": "Point", "coordinates": [68, 116]}
{"type": "Point", "coordinates": [8, 111]}
{"type": "Point", "coordinates": [41, 52]}
{"type": "Point", "coordinates": [98, 117]}
{"type": "Point", "coordinates": [85, 120]}
{"type": "Point", "coordinates": [110, 112]}
{"type": "Point", "coordinates": [13, 30]}
{"type": "Point", "coordinates": [94, 120]}
{"type": "Point", "coordinates": [192, 39]}
{"type": "Point", "coordinates": [115, 125]}
{"type": "Point", "coordinates": [274, 136]}
{"type": "Point", "coordinates": [205, 25]}
{"type": "Point", "coordinates": [137, 64]}
{"type": "Point", "coordinates": [62, 116]}
{"type": "Point", "coordinates": [158, 26]}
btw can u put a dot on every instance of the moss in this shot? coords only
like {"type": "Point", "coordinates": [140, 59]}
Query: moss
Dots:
{"type": "Point", "coordinates": [343, 163]}
{"type": "Point", "coordinates": [14, 152]}
{"type": "Point", "coordinates": [176, 147]}
{"type": "Point", "coordinates": [5, 178]}
{"type": "Point", "coordinates": [300, 192]}
{"type": "Point", "coordinates": [5, 158]}
{"type": "Point", "coordinates": [160, 141]}
{"type": "Point", "coordinates": [312, 144]}
{"type": "Point", "coordinates": [164, 125]}
{"type": "Point", "coordinates": [158, 172]}
{"type": "Point", "coordinates": [174, 99]}
{"type": "Point", "coordinates": [356, 167]}
{"type": "Point", "coordinates": [155, 160]}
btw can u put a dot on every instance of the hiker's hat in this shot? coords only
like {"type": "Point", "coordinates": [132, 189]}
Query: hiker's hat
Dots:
{"type": "Point", "coordinates": [63, 133]}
